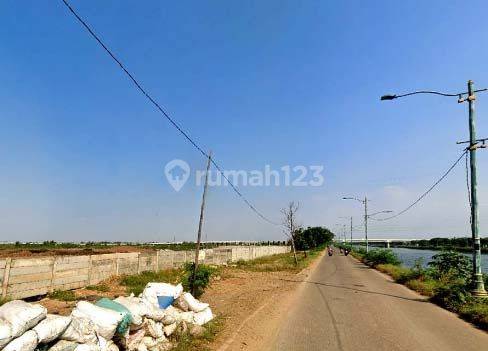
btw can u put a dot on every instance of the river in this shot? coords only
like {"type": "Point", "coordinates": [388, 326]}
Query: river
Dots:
{"type": "Point", "coordinates": [408, 257]}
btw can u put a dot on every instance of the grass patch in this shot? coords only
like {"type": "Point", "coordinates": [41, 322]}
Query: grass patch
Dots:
{"type": "Point", "coordinates": [98, 287]}
{"type": "Point", "coordinates": [67, 295]}
{"type": "Point", "coordinates": [280, 262]}
{"type": "Point", "coordinates": [398, 273]}
{"type": "Point", "coordinates": [3, 300]}
{"type": "Point", "coordinates": [476, 312]}
{"type": "Point", "coordinates": [187, 342]}
{"type": "Point", "coordinates": [136, 283]}
{"type": "Point", "coordinates": [424, 287]}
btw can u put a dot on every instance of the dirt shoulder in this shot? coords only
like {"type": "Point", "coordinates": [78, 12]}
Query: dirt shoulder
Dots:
{"type": "Point", "coordinates": [254, 306]}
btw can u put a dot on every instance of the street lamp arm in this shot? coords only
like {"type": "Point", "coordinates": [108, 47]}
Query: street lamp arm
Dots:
{"type": "Point", "coordinates": [394, 96]}
{"type": "Point", "coordinates": [373, 214]}
{"type": "Point", "coordinates": [353, 198]}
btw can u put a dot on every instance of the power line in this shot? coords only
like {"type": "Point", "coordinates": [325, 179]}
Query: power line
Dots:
{"type": "Point", "coordinates": [425, 193]}
{"type": "Point", "coordinates": [162, 111]}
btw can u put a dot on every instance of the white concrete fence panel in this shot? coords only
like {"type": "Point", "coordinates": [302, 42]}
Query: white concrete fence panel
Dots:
{"type": "Point", "coordinates": [27, 277]}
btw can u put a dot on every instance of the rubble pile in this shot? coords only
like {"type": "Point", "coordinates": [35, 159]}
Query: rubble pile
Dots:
{"type": "Point", "coordinates": [143, 323]}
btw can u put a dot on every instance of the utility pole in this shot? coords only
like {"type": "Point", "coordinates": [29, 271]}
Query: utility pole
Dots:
{"type": "Point", "coordinates": [366, 222]}
{"type": "Point", "coordinates": [200, 224]}
{"type": "Point", "coordinates": [474, 144]}
{"type": "Point", "coordinates": [351, 233]}
{"type": "Point", "coordinates": [479, 288]}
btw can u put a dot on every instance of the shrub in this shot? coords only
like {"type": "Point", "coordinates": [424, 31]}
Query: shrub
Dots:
{"type": "Point", "coordinates": [451, 296]}
{"type": "Point", "coordinates": [61, 295]}
{"type": "Point", "coordinates": [98, 287]}
{"type": "Point", "coordinates": [376, 257]}
{"type": "Point", "coordinates": [451, 266]}
{"type": "Point", "coordinates": [202, 278]}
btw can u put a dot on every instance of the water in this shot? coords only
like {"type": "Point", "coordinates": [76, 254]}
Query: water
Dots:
{"type": "Point", "coordinates": [408, 257]}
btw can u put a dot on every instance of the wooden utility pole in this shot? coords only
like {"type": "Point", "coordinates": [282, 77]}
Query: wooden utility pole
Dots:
{"type": "Point", "coordinates": [200, 224]}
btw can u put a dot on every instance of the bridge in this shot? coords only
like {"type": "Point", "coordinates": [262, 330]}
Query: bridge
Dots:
{"type": "Point", "coordinates": [386, 241]}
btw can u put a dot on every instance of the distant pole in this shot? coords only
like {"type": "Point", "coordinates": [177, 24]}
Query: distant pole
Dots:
{"type": "Point", "coordinates": [366, 222]}
{"type": "Point", "coordinates": [200, 224]}
{"type": "Point", "coordinates": [479, 288]}
{"type": "Point", "coordinates": [351, 232]}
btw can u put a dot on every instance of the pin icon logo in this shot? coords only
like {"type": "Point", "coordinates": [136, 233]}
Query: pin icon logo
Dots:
{"type": "Point", "coordinates": [177, 173]}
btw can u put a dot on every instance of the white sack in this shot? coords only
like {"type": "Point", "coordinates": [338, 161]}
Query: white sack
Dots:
{"type": "Point", "coordinates": [87, 347]}
{"type": "Point", "coordinates": [5, 333]}
{"type": "Point", "coordinates": [131, 341]}
{"type": "Point", "coordinates": [22, 316]}
{"type": "Point", "coordinates": [153, 290]}
{"type": "Point", "coordinates": [186, 316]}
{"type": "Point", "coordinates": [170, 329]}
{"type": "Point", "coordinates": [172, 311]}
{"type": "Point", "coordinates": [136, 307]}
{"type": "Point", "coordinates": [153, 329]}
{"type": "Point", "coordinates": [149, 342]}
{"type": "Point", "coordinates": [194, 304]}
{"type": "Point", "coordinates": [105, 320]}
{"type": "Point", "coordinates": [181, 304]}
{"type": "Point", "coordinates": [107, 345]}
{"type": "Point", "coordinates": [203, 317]}
{"type": "Point", "coordinates": [80, 330]}
{"type": "Point", "coordinates": [64, 345]}
{"type": "Point", "coordinates": [155, 313]}
{"type": "Point", "coordinates": [168, 319]}
{"type": "Point", "coordinates": [51, 328]}
{"type": "Point", "coordinates": [25, 342]}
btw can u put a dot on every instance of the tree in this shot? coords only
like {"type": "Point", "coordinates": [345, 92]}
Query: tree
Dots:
{"type": "Point", "coordinates": [312, 237]}
{"type": "Point", "coordinates": [290, 224]}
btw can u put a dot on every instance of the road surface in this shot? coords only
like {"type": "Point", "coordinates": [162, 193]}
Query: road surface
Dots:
{"type": "Point", "coordinates": [345, 305]}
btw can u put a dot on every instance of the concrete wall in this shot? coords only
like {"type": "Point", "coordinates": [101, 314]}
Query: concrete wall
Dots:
{"type": "Point", "coordinates": [26, 277]}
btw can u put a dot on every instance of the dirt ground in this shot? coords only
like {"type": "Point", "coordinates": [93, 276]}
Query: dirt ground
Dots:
{"type": "Point", "coordinates": [251, 304]}
{"type": "Point", "coordinates": [35, 252]}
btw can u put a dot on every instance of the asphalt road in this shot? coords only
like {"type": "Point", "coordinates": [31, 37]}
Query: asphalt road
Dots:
{"type": "Point", "coordinates": [345, 305]}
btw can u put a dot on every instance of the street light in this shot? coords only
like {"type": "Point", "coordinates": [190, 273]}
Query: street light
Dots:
{"type": "Point", "coordinates": [479, 288]}
{"type": "Point", "coordinates": [350, 241]}
{"type": "Point", "coordinates": [343, 236]}
{"type": "Point", "coordinates": [366, 216]}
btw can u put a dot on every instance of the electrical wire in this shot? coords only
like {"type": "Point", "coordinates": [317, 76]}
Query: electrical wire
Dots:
{"type": "Point", "coordinates": [162, 111]}
{"type": "Point", "coordinates": [425, 193]}
{"type": "Point", "coordinates": [438, 93]}
{"type": "Point", "coordinates": [427, 92]}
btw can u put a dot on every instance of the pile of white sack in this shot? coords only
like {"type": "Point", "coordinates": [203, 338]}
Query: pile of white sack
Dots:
{"type": "Point", "coordinates": [136, 323]}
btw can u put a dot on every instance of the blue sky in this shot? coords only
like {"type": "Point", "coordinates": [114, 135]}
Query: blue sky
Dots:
{"type": "Point", "coordinates": [259, 83]}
